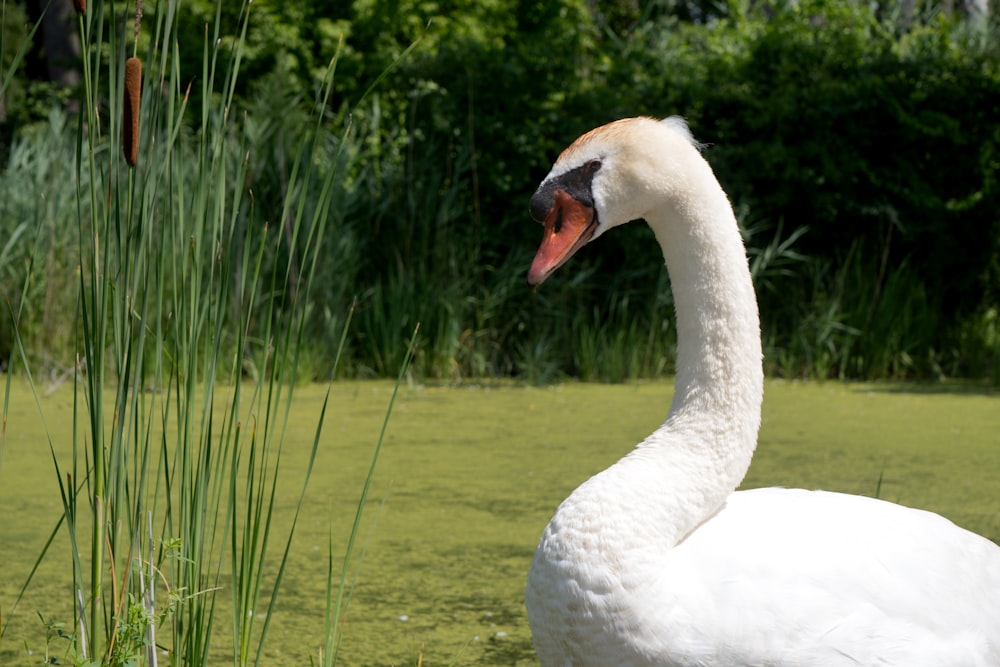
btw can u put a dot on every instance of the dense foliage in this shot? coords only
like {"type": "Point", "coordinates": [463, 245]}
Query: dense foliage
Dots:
{"type": "Point", "coordinates": [860, 147]}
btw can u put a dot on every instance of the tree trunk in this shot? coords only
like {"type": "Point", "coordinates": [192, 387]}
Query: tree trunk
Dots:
{"type": "Point", "coordinates": [61, 44]}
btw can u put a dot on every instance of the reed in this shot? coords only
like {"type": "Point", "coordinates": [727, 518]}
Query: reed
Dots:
{"type": "Point", "coordinates": [428, 224]}
{"type": "Point", "coordinates": [168, 486]}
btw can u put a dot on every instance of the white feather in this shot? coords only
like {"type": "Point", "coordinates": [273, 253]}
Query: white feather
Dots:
{"type": "Point", "coordinates": [656, 561]}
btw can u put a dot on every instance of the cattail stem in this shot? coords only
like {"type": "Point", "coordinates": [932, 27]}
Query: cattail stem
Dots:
{"type": "Point", "coordinates": [138, 22]}
{"type": "Point", "coordinates": [130, 110]}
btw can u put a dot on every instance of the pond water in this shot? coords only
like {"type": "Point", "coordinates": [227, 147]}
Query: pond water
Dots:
{"type": "Point", "coordinates": [467, 479]}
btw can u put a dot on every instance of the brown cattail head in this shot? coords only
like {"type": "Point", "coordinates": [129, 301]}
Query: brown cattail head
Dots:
{"type": "Point", "coordinates": [80, 6]}
{"type": "Point", "coordinates": [130, 110]}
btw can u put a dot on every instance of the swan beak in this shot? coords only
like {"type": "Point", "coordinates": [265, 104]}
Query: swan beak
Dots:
{"type": "Point", "coordinates": [569, 225]}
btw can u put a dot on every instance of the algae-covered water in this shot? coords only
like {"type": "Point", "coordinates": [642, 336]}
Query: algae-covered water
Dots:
{"type": "Point", "coordinates": [469, 476]}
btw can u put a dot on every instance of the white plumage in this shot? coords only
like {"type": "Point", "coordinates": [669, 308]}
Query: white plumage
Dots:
{"type": "Point", "coordinates": [657, 561]}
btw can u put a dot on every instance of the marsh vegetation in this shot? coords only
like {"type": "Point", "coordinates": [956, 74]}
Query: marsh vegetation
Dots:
{"type": "Point", "coordinates": [828, 124]}
{"type": "Point", "coordinates": [470, 475]}
{"type": "Point", "coordinates": [217, 217]}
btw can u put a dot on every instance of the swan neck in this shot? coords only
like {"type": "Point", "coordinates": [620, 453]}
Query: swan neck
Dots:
{"type": "Point", "coordinates": [718, 326]}
{"type": "Point", "coordinates": [703, 449]}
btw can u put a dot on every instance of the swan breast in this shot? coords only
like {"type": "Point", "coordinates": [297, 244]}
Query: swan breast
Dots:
{"type": "Point", "coordinates": [777, 577]}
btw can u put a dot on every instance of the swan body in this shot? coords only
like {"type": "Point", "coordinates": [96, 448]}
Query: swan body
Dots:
{"type": "Point", "coordinates": [656, 560]}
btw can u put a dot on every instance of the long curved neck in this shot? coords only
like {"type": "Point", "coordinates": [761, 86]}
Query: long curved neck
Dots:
{"type": "Point", "coordinates": [702, 451]}
{"type": "Point", "coordinates": [719, 384]}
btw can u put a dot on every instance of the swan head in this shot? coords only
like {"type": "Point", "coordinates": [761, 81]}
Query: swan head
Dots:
{"type": "Point", "coordinates": [613, 174]}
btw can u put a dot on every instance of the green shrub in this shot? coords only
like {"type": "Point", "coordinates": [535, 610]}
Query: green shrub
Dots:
{"type": "Point", "coordinates": [874, 131]}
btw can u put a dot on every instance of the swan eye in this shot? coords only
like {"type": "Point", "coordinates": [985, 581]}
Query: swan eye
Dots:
{"type": "Point", "coordinates": [593, 166]}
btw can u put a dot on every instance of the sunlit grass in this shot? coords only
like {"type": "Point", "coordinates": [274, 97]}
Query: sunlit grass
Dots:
{"type": "Point", "coordinates": [169, 462]}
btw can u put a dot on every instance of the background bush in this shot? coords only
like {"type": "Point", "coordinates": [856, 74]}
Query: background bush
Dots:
{"type": "Point", "coordinates": [859, 145]}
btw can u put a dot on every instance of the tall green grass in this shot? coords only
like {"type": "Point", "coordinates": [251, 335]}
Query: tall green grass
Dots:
{"type": "Point", "coordinates": [186, 304]}
{"type": "Point", "coordinates": [844, 316]}
{"type": "Point", "coordinates": [415, 234]}
{"type": "Point", "coordinates": [850, 320]}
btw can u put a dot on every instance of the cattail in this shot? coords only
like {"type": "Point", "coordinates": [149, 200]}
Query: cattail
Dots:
{"type": "Point", "coordinates": [138, 20]}
{"type": "Point", "coordinates": [130, 110]}
{"type": "Point", "coordinates": [80, 6]}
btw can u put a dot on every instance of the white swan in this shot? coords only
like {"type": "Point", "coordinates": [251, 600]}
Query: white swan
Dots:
{"type": "Point", "coordinates": [656, 561]}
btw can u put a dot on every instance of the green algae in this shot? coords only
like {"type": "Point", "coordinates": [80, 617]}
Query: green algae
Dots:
{"type": "Point", "coordinates": [470, 475]}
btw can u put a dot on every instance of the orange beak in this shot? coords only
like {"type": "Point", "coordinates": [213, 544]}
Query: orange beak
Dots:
{"type": "Point", "coordinates": [569, 225]}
